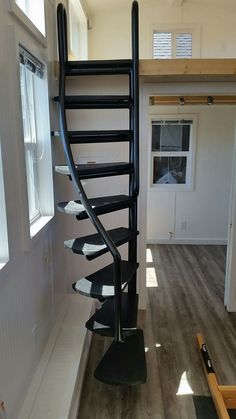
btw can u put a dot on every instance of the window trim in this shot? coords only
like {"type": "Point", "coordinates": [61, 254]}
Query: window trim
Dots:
{"type": "Point", "coordinates": [25, 21]}
{"type": "Point", "coordinates": [190, 181]}
{"type": "Point", "coordinates": [77, 7]}
{"type": "Point", "coordinates": [38, 225]}
{"type": "Point", "coordinates": [195, 29]}
{"type": "Point", "coordinates": [4, 259]}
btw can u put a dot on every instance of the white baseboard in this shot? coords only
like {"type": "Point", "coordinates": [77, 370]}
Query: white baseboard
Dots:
{"type": "Point", "coordinates": [188, 241]}
{"type": "Point", "coordinates": [56, 386]}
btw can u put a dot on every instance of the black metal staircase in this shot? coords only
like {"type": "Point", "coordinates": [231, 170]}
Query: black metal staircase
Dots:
{"type": "Point", "coordinates": [124, 362]}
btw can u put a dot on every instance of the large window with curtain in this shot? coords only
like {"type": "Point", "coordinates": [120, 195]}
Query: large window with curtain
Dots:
{"type": "Point", "coordinates": [35, 118]}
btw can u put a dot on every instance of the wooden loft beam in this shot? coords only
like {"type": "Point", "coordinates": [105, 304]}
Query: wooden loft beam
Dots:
{"type": "Point", "coordinates": [188, 70]}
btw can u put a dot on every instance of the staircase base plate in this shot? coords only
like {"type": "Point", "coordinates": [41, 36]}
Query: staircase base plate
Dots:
{"type": "Point", "coordinates": [124, 363]}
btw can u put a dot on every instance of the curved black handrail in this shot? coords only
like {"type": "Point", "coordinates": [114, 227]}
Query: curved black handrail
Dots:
{"type": "Point", "coordinates": [63, 57]}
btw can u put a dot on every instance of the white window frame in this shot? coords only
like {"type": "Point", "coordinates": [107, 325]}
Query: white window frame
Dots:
{"type": "Point", "coordinates": [4, 247]}
{"type": "Point", "coordinates": [76, 12]}
{"type": "Point", "coordinates": [189, 185]}
{"type": "Point", "coordinates": [39, 144]}
{"type": "Point", "coordinates": [18, 13]}
{"type": "Point", "coordinates": [174, 29]}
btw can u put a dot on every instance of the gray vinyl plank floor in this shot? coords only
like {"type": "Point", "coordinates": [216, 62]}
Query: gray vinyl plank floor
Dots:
{"type": "Point", "coordinates": [185, 296]}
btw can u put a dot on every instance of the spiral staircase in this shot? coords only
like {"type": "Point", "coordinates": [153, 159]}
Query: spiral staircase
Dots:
{"type": "Point", "coordinates": [114, 285]}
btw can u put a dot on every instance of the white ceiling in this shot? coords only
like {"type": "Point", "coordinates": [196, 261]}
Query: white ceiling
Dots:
{"type": "Point", "coordinates": [102, 5]}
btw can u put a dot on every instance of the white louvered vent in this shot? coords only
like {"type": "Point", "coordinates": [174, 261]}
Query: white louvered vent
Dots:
{"type": "Point", "coordinates": [162, 45]}
{"type": "Point", "coordinates": [183, 45]}
{"type": "Point", "coordinates": [173, 44]}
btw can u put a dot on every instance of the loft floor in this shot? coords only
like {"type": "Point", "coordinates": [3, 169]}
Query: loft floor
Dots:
{"type": "Point", "coordinates": [185, 296]}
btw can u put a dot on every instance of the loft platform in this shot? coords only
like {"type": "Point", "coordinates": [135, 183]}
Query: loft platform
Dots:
{"type": "Point", "coordinates": [188, 70]}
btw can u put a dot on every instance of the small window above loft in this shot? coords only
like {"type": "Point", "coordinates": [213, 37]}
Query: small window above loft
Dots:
{"type": "Point", "coordinates": [172, 44]}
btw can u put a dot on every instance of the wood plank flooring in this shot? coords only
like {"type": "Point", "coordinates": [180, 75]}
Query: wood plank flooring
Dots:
{"type": "Point", "coordinates": [188, 299]}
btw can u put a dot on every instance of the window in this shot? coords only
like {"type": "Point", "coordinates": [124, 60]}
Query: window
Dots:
{"type": "Point", "coordinates": [34, 10]}
{"type": "Point", "coordinates": [4, 252]}
{"type": "Point", "coordinates": [78, 31]}
{"type": "Point", "coordinates": [35, 116]}
{"type": "Point", "coordinates": [174, 44]}
{"type": "Point", "coordinates": [171, 152]}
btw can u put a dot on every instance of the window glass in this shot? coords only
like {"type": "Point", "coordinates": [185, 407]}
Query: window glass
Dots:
{"type": "Point", "coordinates": [169, 170]}
{"type": "Point", "coordinates": [37, 144]}
{"type": "Point", "coordinates": [171, 152]}
{"type": "Point", "coordinates": [173, 44]}
{"type": "Point", "coordinates": [31, 72]}
{"type": "Point", "coordinates": [4, 252]}
{"type": "Point", "coordinates": [34, 10]}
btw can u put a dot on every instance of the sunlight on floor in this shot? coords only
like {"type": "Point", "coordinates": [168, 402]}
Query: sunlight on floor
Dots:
{"type": "Point", "coordinates": [184, 387]}
{"type": "Point", "coordinates": [149, 257]}
{"type": "Point", "coordinates": [157, 345]}
{"type": "Point", "coordinates": [151, 278]}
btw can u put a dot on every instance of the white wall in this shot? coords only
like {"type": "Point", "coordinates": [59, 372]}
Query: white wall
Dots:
{"type": "Point", "coordinates": [205, 209]}
{"type": "Point", "coordinates": [109, 36]}
{"type": "Point", "coordinates": [37, 276]}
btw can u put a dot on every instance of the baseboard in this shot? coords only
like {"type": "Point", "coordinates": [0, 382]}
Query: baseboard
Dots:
{"type": "Point", "coordinates": [56, 386]}
{"type": "Point", "coordinates": [188, 241]}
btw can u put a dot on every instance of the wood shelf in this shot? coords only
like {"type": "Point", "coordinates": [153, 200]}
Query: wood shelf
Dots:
{"type": "Point", "coordinates": [184, 70]}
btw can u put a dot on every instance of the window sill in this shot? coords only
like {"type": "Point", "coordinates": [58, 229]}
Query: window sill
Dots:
{"type": "Point", "coordinates": [164, 188]}
{"type": "Point", "coordinates": [26, 22]}
{"type": "Point", "coordinates": [36, 227]}
{"type": "Point", "coordinates": [3, 264]}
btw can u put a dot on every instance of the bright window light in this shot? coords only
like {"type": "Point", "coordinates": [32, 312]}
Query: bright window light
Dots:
{"type": "Point", "coordinates": [151, 278]}
{"type": "Point", "coordinates": [149, 257]}
{"type": "Point", "coordinates": [184, 387]}
{"type": "Point", "coordinates": [4, 252]}
{"type": "Point", "coordinates": [35, 116]}
{"type": "Point", "coordinates": [34, 10]}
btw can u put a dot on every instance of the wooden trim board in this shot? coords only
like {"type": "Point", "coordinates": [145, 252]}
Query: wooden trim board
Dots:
{"type": "Point", "coordinates": [192, 69]}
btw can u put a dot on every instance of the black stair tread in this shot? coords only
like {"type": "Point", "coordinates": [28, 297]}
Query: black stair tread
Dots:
{"type": "Point", "coordinates": [102, 321]}
{"type": "Point", "coordinates": [101, 284]}
{"type": "Point", "coordinates": [124, 363]}
{"type": "Point", "coordinates": [92, 170]}
{"type": "Point", "coordinates": [96, 102]}
{"type": "Point", "coordinates": [101, 205]}
{"type": "Point", "coordinates": [93, 246]}
{"type": "Point", "coordinates": [84, 137]}
{"type": "Point", "coordinates": [95, 67]}
{"type": "Point", "coordinates": [98, 136]}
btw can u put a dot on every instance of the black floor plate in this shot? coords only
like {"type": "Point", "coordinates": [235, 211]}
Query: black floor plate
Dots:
{"type": "Point", "coordinates": [102, 322]}
{"type": "Point", "coordinates": [124, 363]}
{"type": "Point", "coordinates": [205, 409]}
{"type": "Point", "coordinates": [101, 284]}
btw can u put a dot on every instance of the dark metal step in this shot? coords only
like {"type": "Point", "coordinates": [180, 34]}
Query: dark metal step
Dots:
{"type": "Point", "coordinates": [96, 102]}
{"type": "Point", "coordinates": [92, 170]}
{"type": "Point", "coordinates": [88, 137]}
{"type": "Point", "coordinates": [124, 363]}
{"type": "Point", "coordinates": [101, 136]}
{"type": "Point", "coordinates": [93, 246]}
{"type": "Point", "coordinates": [93, 68]}
{"type": "Point", "coordinates": [101, 205]}
{"type": "Point", "coordinates": [101, 284]}
{"type": "Point", "coordinates": [102, 321]}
